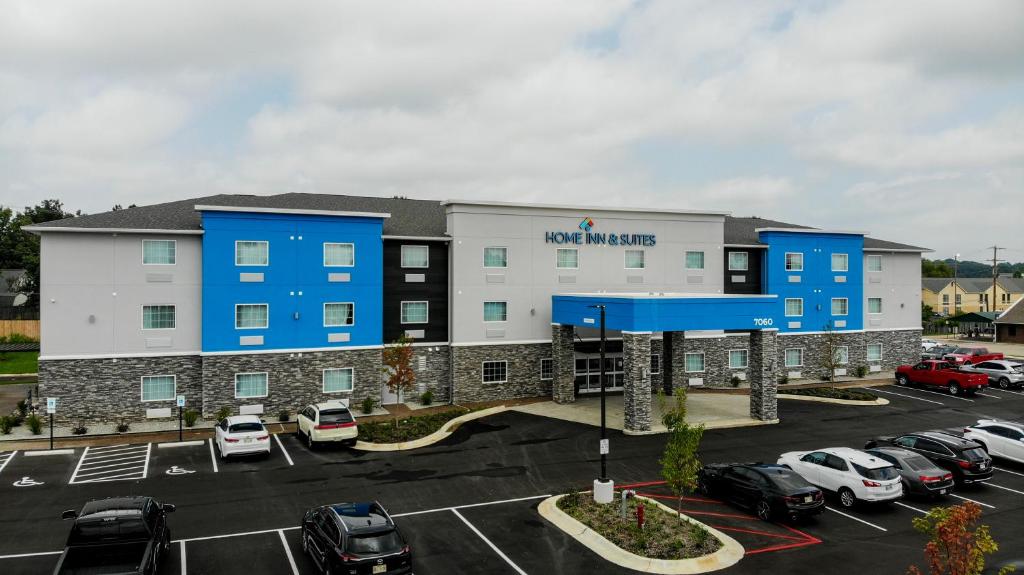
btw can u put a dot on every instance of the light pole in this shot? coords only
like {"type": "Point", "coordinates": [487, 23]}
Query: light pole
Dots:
{"type": "Point", "coordinates": [604, 488]}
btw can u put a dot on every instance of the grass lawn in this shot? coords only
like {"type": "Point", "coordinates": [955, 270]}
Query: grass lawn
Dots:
{"type": "Point", "coordinates": [838, 393]}
{"type": "Point", "coordinates": [408, 429]}
{"type": "Point", "coordinates": [19, 362]}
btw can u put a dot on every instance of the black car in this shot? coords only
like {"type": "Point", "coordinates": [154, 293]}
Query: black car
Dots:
{"type": "Point", "coordinates": [770, 490]}
{"type": "Point", "coordinates": [965, 459]}
{"type": "Point", "coordinates": [355, 538]}
{"type": "Point", "coordinates": [116, 535]}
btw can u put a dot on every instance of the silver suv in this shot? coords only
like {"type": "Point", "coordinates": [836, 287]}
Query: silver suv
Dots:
{"type": "Point", "coordinates": [1005, 374]}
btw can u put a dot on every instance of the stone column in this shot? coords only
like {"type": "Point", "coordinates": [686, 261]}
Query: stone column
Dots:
{"type": "Point", "coordinates": [678, 360]}
{"type": "Point", "coordinates": [563, 386]}
{"type": "Point", "coordinates": [636, 395]}
{"type": "Point", "coordinates": [764, 375]}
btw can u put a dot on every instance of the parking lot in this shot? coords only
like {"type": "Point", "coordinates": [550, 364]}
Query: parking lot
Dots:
{"type": "Point", "coordinates": [468, 505]}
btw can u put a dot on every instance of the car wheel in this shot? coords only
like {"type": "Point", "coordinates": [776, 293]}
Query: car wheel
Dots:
{"type": "Point", "coordinates": [305, 542]}
{"type": "Point", "coordinates": [954, 388]}
{"type": "Point", "coordinates": [846, 497]}
{"type": "Point", "coordinates": [703, 488]}
{"type": "Point", "coordinates": [1004, 383]}
{"type": "Point", "coordinates": [906, 489]}
{"type": "Point", "coordinates": [902, 380]}
{"type": "Point", "coordinates": [764, 510]}
{"type": "Point", "coordinates": [309, 441]}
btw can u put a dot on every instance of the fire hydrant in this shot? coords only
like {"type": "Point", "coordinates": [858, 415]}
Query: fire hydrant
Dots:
{"type": "Point", "coordinates": [640, 515]}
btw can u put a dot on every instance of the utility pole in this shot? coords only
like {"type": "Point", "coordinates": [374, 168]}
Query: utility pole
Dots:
{"type": "Point", "coordinates": [956, 286]}
{"type": "Point", "coordinates": [995, 274]}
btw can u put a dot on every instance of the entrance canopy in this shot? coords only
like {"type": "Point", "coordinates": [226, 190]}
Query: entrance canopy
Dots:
{"type": "Point", "coordinates": [651, 312]}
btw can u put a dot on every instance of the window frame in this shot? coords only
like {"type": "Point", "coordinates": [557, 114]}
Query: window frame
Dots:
{"type": "Point", "coordinates": [746, 358]}
{"type": "Point", "coordinates": [846, 306]}
{"type": "Point", "coordinates": [686, 260]}
{"type": "Point", "coordinates": [785, 357]}
{"type": "Point", "coordinates": [484, 253]}
{"type": "Point", "coordinates": [351, 265]}
{"type": "Point", "coordinates": [266, 376]}
{"type": "Point", "coordinates": [846, 266]}
{"type": "Point", "coordinates": [351, 303]}
{"type": "Point", "coordinates": [142, 387]}
{"type": "Point", "coordinates": [558, 260]}
{"type": "Point", "coordinates": [847, 348]}
{"type": "Point", "coordinates": [786, 307]}
{"type": "Point", "coordinates": [867, 352]}
{"type": "Point", "coordinates": [867, 264]}
{"type": "Point", "coordinates": [483, 371]}
{"type": "Point", "coordinates": [172, 242]}
{"type": "Point", "coordinates": [643, 260]}
{"type": "Point", "coordinates": [352, 379]}
{"type": "Point", "coordinates": [655, 359]}
{"type": "Point", "coordinates": [881, 309]}
{"type": "Point", "coordinates": [550, 361]}
{"type": "Point", "coordinates": [401, 256]}
{"type": "Point", "coordinates": [785, 261]}
{"type": "Point", "coordinates": [264, 242]}
{"type": "Point", "coordinates": [266, 305]}
{"type": "Point", "coordinates": [746, 259]}
{"type": "Point", "coordinates": [401, 313]}
{"type": "Point", "coordinates": [143, 316]}
{"type": "Point", "coordinates": [495, 320]}
{"type": "Point", "coordinates": [703, 362]}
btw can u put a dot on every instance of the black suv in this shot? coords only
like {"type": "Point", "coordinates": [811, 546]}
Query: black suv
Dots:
{"type": "Point", "coordinates": [965, 459]}
{"type": "Point", "coordinates": [355, 538]}
{"type": "Point", "coordinates": [770, 490]}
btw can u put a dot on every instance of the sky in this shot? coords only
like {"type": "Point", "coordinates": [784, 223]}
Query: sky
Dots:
{"type": "Point", "coordinates": [904, 119]}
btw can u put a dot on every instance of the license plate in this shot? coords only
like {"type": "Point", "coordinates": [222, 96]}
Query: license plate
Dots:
{"type": "Point", "coordinates": [380, 568]}
{"type": "Point", "coordinates": [808, 499]}
{"type": "Point", "coordinates": [247, 440]}
{"type": "Point", "coordinates": [983, 465]}
{"type": "Point", "coordinates": [890, 487]}
{"type": "Point", "coordinates": [943, 491]}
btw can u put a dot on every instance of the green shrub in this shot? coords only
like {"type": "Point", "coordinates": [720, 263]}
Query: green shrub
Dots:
{"type": "Point", "coordinates": [6, 424]}
{"type": "Point", "coordinates": [22, 407]}
{"type": "Point", "coordinates": [223, 413]}
{"type": "Point", "coordinates": [35, 424]}
{"type": "Point", "coordinates": [861, 370]}
{"type": "Point", "coordinates": [735, 381]}
{"type": "Point", "coordinates": [79, 428]}
{"type": "Point", "coordinates": [783, 379]}
{"type": "Point", "coordinates": [19, 338]}
{"type": "Point", "coordinates": [367, 405]}
{"type": "Point", "coordinates": [427, 397]}
{"type": "Point", "coordinates": [283, 416]}
{"type": "Point", "coordinates": [190, 416]}
{"type": "Point", "coordinates": [123, 426]}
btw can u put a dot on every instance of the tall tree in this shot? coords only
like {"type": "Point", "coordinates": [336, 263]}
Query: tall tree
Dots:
{"type": "Point", "coordinates": [957, 545]}
{"type": "Point", "coordinates": [680, 461]}
{"type": "Point", "coordinates": [397, 360]}
{"type": "Point", "coordinates": [20, 249]}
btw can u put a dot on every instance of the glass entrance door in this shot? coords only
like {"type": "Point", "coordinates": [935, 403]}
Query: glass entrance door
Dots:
{"type": "Point", "coordinates": [588, 372]}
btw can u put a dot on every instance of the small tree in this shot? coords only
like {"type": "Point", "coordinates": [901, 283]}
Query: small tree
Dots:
{"type": "Point", "coordinates": [397, 360]}
{"type": "Point", "coordinates": [830, 352]}
{"type": "Point", "coordinates": [680, 462]}
{"type": "Point", "coordinates": [957, 545]}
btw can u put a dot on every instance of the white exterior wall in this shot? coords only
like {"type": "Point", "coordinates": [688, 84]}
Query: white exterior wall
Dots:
{"type": "Point", "coordinates": [531, 277]}
{"type": "Point", "coordinates": [899, 286]}
{"type": "Point", "coordinates": [80, 315]}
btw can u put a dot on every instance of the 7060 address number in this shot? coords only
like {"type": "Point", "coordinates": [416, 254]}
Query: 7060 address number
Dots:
{"type": "Point", "coordinates": [762, 321]}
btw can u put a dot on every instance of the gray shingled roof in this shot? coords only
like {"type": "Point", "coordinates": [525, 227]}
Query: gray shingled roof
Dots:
{"type": "Point", "coordinates": [741, 231]}
{"type": "Point", "coordinates": [975, 285]}
{"type": "Point", "coordinates": [935, 284]}
{"type": "Point", "coordinates": [1014, 315]}
{"type": "Point", "coordinates": [425, 218]}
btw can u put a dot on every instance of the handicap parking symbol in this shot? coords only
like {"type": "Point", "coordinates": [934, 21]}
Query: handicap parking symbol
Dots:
{"type": "Point", "coordinates": [27, 482]}
{"type": "Point", "coordinates": [175, 470]}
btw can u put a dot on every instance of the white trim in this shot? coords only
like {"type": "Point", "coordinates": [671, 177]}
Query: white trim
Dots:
{"type": "Point", "coordinates": [175, 242]}
{"type": "Point", "coordinates": [425, 321]}
{"type": "Point", "coordinates": [515, 342]}
{"type": "Point", "coordinates": [117, 355]}
{"type": "Point", "coordinates": [881, 306]}
{"type": "Point", "coordinates": [327, 265]}
{"type": "Point", "coordinates": [832, 262]}
{"type": "Point", "coordinates": [686, 257]}
{"type": "Point", "coordinates": [267, 374]}
{"type": "Point", "coordinates": [748, 246]}
{"type": "Point", "coordinates": [882, 267]}
{"type": "Point", "coordinates": [785, 307]}
{"type": "Point", "coordinates": [637, 332]}
{"type": "Point", "coordinates": [666, 295]}
{"type": "Point", "coordinates": [823, 332]}
{"type": "Point", "coordinates": [485, 320]}
{"type": "Point", "coordinates": [256, 210]}
{"type": "Point", "coordinates": [811, 231]}
{"type": "Point", "coordinates": [847, 300]}
{"type": "Point", "coordinates": [703, 362]}
{"type": "Point", "coordinates": [577, 250]}
{"type": "Point", "coordinates": [142, 387]}
{"type": "Point", "coordinates": [728, 262]}
{"type": "Point", "coordinates": [900, 250]}
{"type": "Point", "coordinates": [482, 363]}
{"type": "Point", "coordinates": [238, 265]}
{"type": "Point", "coordinates": [785, 364]}
{"type": "Point", "coordinates": [728, 358]}
{"type": "Point", "coordinates": [1007, 310]}
{"type": "Point", "coordinates": [401, 257]}
{"type": "Point", "coordinates": [142, 316]}
{"type": "Point", "coordinates": [324, 317]}
{"type": "Point", "coordinates": [881, 352]}
{"type": "Point", "coordinates": [542, 360]}
{"type": "Point", "coordinates": [290, 350]}
{"type": "Point", "coordinates": [267, 305]}
{"type": "Point", "coordinates": [41, 229]}
{"type": "Point", "coordinates": [417, 238]}
{"type": "Point", "coordinates": [847, 348]}
{"type": "Point", "coordinates": [483, 259]}
{"type": "Point", "coordinates": [653, 357]}
{"type": "Point", "coordinates": [785, 262]}
{"type": "Point", "coordinates": [323, 379]}
{"type": "Point", "coordinates": [643, 258]}
{"type": "Point", "coordinates": [605, 209]}
{"type": "Point", "coordinates": [419, 344]}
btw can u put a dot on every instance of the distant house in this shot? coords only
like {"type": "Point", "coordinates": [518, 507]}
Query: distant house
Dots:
{"type": "Point", "coordinates": [10, 288]}
{"type": "Point", "coordinates": [1010, 324]}
{"type": "Point", "coordinates": [947, 296]}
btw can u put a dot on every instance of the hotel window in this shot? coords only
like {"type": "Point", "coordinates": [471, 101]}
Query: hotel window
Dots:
{"type": "Point", "coordinates": [495, 311]}
{"type": "Point", "coordinates": [874, 263]}
{"type": "Point", "coordinates": [794, 357]}
{"type": "Point", "coordinates": [874, 352]}
{"type": "Point", "coordinates": [840, 262]}
{"type": "Point", "coordinates": [655, 363]}
{"type": "Point", "coordinates": [252, 253]}
{"type": "Point", "coordinates": [495, 372]}
{"type": "Point", "coordinates": [158, 387]}
{"type": "Point", "coordinates": [159, 252]}
{"type": "Point", "coordinates": [738, 261]}
{"type": "Point", "coordinates": [567, 258]}
{"type": "Point", "coordinates": [794, 307]}
{"type": "Point", "coordinates": [251, 315]}
{"type": "Point", "coordinates": [958, 299]}
{"type": "Point", "coordinates": [634, 259]}
{"type": "Point", "coordinates": [547, 369]}
{"type": "Point", "coordinates": [694, 362]}
{"type": "Point", "coordinates": [158, 317]}
{"type": "Point", "coordinates": [874, 305]}
{"type": "Point", "coordinates": [339, 314]}
{"type": "Point", "coordinates": [694, 260]}
{"type": "Point", "coordinates": [339, 255]}
{"type": "Point", "coordinates": [250, 385]}
{"type": "Point", "coordinates": [840, 306]}
{"type": "Point", "coordinates": [738, 358]}
{"type": "Point", "coordinates": [495, 257]}
{"type": "Point", "coordinates": [414, 312]}
{"type": "Point", "coordinates": [794, 262]}
{"type": "Point", "coordinates": [338, 380]}
{"type": "Point", "coordinates": [415, 256]}
{"type": "Point", "coordinates": [842, 355]}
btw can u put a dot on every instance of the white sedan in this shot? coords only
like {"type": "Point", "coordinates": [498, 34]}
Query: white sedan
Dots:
{"type": "Point", "coordinates": [999, 438]}
{"type": "Point", "coordinates": [242, 435]}
{"type": "Point", "coordinates": [850, 473]}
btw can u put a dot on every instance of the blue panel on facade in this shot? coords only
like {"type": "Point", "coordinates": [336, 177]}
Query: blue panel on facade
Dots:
{"type": "Point", "coordinates": [665, 313]}
{"type": "Point", "coordinates": [295, 281]}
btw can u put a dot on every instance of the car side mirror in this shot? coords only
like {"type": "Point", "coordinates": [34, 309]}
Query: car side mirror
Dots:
{"type": "Point", "coordinates": [168, 508]}
{"type": "Point", "coordinates": [69, 514]}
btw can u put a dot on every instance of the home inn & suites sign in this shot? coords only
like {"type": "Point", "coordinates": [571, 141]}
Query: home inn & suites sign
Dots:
{"type": "Point", "coordinates": [585, 236]}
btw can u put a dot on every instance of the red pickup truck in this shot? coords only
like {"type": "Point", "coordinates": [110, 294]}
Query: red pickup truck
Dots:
{"type": "Point", "coordinates": [940, 373]}
{"type": "Point", "coordinates": [970, 355]}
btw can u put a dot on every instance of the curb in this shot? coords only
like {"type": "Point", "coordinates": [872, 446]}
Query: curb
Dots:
{"type": "Point", "coordinates": [879, 401]}
{"type": "Point", "coordinates": [180, 444]}
{"type": "Point", "coordinates": [730, 553]}
{"type": "Point", "coordinates": [446, 430]}
{"type": "Point", "coordinates": [38, 452]}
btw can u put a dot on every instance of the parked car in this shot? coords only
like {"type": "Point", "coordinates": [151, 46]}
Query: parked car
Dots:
{"type": "Point", "coordinates": [242, 435]}
{"type": "Point", "coordinates": [118, 535]}
{"type": "Point", "coordinates": [998, 438]}
{"type": "Point", "coordinates": [1004, 373]}
{"type": "Point", "coordinates": [769, 490]}
{"type": "Point", "coordinates": [936, 373]}
{"type": "Point", "coordinates": [970, 355]}
{"type": "Point", "coordinates": [964, 458]}
{"type": "Point", "coordinates": [355, 538]}
{"type": "Point", "coordinates": [920, 476]}
{"type": "Point", "coordinates": [851, 474]}
{"type": "Point", "coordinates": [927, 344]}
{"type": "Point", "coordinates": [331, 421]}
{"type": "Point", "coordinates": [938, 352]}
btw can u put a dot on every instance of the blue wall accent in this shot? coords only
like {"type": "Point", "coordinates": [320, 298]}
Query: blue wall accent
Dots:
{"type": "Point", "coordinates": [295, 265]}
{"type": "Point", "coordinates": [642, 313]}
{"type": "Point", "coordinates": [817, 285]}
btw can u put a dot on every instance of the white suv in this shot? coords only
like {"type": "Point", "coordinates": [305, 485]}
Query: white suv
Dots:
{"type": "Point", "coordinates": [850, 473]}
{"type": "Point", "coordinates": [331, 421]}
{"type": "Point", "coordinates": [999, 438]}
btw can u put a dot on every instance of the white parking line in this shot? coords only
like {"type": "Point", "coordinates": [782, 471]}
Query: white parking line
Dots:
{"type": "Point", "coordinates": [7, 460]}
{"type": "Point", "coordinates": [288, 552]}
{"type": "Point", "coordinates": [79, 466]}
{"type": "Point", "coordinates": [972, 501]}
{"type": "Point", "coordinates": [1005, 488]}
{"type": "Point", "coordinates": [910, 507]}
{"type": "Point", "coordinates": [488, 542]}
{"type": "Point", "coordinates": [532, 497]}
{"type": "Point", "coordinates": [184, 568]}
{"type": "Point", "coordinates": [907, 396]}
{"type": "Point", "coordinates": [996, 468]}
{"type": "Point", "coordinates": [112, 463]}
{"type": "Point", "coordinates": [283, 450]}
{"type": "Point", "coordinates": [856, 519]}
{"type": "Point", "coordinates": [213, 456]}
{"type": "Point", "coordinates": [149, 450]}
{"type": "Point", "coordinates": [987, 395]}
{"type": "Point", "coordinates": [22, 555]}
{"type": "Point", "coordinates": [104, 450]}
{"type": "Point", "coordinates": [942, 394]}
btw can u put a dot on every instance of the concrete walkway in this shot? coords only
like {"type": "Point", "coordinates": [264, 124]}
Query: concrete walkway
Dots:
{"type": "Point", "coordinates": [714, 410]}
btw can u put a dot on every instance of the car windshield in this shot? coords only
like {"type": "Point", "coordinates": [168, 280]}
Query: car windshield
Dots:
{"type": "Point", "coordinates": [245, 427]}
{"type": "Point", "coordinates": [335, 416]}
{"type": "Point", "coordinates": [878, 473]}
{"type": "Point", "coordinates": [788, 482]}
{"type": "Point", "coordinates": [88, 531]}
{"type": "Point", "coordinates": [388, 542]}
{"type": "Point", "coordinates": [974, 454]}
{"type": "Point", "coordinates": [918, 463]}
{"type": "Point", "coordinates": [963, 350]}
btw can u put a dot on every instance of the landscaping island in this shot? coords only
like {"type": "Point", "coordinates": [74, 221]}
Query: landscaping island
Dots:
{"type": "Point", "coordinates": [832, 393]}
{"type": "Point", "coordinates": [407, 428]}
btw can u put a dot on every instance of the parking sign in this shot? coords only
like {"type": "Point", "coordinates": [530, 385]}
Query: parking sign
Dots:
{"type": "Point", "coordinates": [181, 401]}
{"type": "Point", "coordinates": [604, 447]}
{"type": "Point", "coordinates": [51, 405]}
